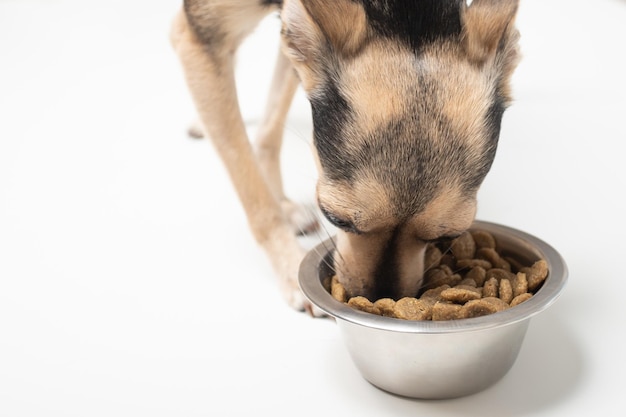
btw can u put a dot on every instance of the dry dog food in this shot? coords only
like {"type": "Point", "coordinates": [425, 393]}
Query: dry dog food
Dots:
{"type": "Point", "coordinates": [465, 278]}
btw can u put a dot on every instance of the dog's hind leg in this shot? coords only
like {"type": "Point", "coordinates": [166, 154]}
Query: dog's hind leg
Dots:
{"type": "Point", "coordinates": [206, 51]}
{"type": "Point", "coordinates": [269, 141]}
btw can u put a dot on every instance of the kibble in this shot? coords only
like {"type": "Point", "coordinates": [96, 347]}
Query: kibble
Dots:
{"type": "Point", "coordinates": [505, 291]}
{"type": "Point", "coordinates": [464, 279]}
{"type": "Point", "coordinates": [482, 307]}
{"type": "Point", "coordinates": [443, 310]}
{"type": "Point", "coordinates": [410, 308]}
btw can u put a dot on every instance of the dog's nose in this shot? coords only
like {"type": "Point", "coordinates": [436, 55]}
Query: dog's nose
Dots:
{"type": "Point", "coordinates": [386, 281]}
{"type": "Point", "coordinates": [399, 272]}
{"type": "Point", "coordinates": [380, 266]}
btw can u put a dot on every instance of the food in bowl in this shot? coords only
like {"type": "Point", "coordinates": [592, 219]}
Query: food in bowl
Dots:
{"type": "Point", "coordinates": [432, 359]}
{"type": "Point", "coordinates": [467, 277]}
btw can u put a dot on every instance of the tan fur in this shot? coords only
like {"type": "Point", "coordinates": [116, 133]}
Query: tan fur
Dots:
{"type": "Point", "coordinates": [448, 214]}
{"type": "Point", "coordinates": [310, 26]}
{"type": "Point", "coordinates": [464, 83]}
{"type": "Point", "coordinates": [381, 84]}
{"type": "Point", "coordinates": [221, 118]}
{"type": "Point", "coordinates": [486, 22]}
{"type": "Point", "coordinates": [438, 99]}
{"type": "Point", "coordinates": [378, 84]}
{"type": "Point", "coordinates": [365, 203]}
{"type": "Point", "coordinates": [488, 25]}
{"type": "Point", "coordinates": [359, 255]}
{"type": "Point", "coordinates": [331, 19]}
{"type": "Point", "coordinates": [232, 20]}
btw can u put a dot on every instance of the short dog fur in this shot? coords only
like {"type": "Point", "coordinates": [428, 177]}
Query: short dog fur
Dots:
{"type": "Point", "coordinates": [407, 98]}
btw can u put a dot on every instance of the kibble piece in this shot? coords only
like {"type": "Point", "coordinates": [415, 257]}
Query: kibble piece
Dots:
{"type": "Point", "coordinates": [460, 295]}
{"type": "Point", "coordinates": [337, 290]}
{"type": "Point", "coordinates": [493, 257]}
{"type": "Point", "coordinates": [472, 288]}
{"type": "Point", "coordinates": [454, 280]}
{"type": "Point", "coordinates": [434, 293]}
{"type": "Point", "coordinates": [520, 299]}
{"type": "Point", "coordinates": [435, 278]}
{"type": "Point", "coordinates": [410, 308]}
{"type": "Point", "coordinates": [473, 263]}
{"type": "Point", "coordinates": [478, 274]}
{"type": "Point", "coordinates": [515, 264]}
{"type": "Point", "coordinates": [432, 258]}
{"type": "Point", "coordinates": [482, 307]}
{"type": "Point", "coordinates": [443, 310]}
{"type": "Point", "coordinates": [448, 260]}
{"type": "Point", "coordinates": [463, 247]}
{"type": "Point", "coordinates": [484, 239]}
{"type": "Point", "coordinates": [505, 291]}
{"type": "Point", "coordinates": [363, 304]}
{"type": "Point", "coordinates": [536, 274]}
{"type": "Point", "coordinates": [385, 305]}
{"type": "Point", "coordinates": [441, 278]}
{"type": "Point", "coordinates": [490, 289]}
{"type": "Point", "coordinates": [326, 282]}
{"type": "Point", "coordinates": [470, 282]}
{"type": "Point", "coordinates": [520, 284]}
{"type": "Point", "coordinates": [437, 273]}
{"type": "Point", "coordinates": [500, 274]}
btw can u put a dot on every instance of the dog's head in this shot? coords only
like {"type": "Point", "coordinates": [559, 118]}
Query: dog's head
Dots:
{"type": "Point", "coordinates": [407, 98]}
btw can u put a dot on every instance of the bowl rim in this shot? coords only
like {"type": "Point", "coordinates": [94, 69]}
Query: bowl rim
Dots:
{"type": "Point", "coordinates": [312, 287]}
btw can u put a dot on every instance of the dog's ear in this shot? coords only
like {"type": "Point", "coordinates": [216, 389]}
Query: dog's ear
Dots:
{"type": "Point", "coordinates": [343, 23]}
{"type": "Point", "coordinates": [299, 32]}
{"type": "Point", "coordinates": [309, 26]}
{"type": "Point", "coordinates": [486, 23]}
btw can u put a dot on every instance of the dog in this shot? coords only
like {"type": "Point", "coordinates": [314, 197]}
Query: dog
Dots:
{"type": "Point", "coordinates": [407, 99]}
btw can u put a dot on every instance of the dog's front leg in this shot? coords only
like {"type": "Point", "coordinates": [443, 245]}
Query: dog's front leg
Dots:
{"type": "Point", "coordinates": [269, 141]}
{"type": "Point", "coordinates": [210, 77]}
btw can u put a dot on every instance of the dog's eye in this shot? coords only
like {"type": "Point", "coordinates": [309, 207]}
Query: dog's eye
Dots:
{"type": "Point", "coordinates": [345, 225]}
{"type": "Point", "coordinates": [450, 236]}
{"type": "Point", "coordinates": [444, 238]}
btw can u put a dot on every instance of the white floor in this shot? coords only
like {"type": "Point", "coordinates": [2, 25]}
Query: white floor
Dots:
{"type": "Point", "coordinates": [130, 286]}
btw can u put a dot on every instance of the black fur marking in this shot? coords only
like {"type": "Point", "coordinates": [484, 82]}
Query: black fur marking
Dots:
{"type": "Point", "coordinates": [416, 22]}
{"type": "Point", "coordinates": [387, 273]}
{"type": "Point", "coordinates": [330, 112]}
{"type": "Point", "coordinates": [271, 2]}
{"type": "Point", "coordinates": [493, 122]}
{"type": "Point", "coordinates": [412, 170]}
{"type": "Point", "coordinates": [345, 225]}
{"type": "Point", "coordinates": [411, 166]}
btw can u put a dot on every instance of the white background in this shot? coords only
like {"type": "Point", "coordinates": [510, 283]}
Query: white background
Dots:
{"type": "Point", "coordinates": [130, 285]}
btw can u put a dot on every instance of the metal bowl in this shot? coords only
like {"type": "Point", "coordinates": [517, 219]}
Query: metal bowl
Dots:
{"type": "Point", "coordinates": [437, 359]}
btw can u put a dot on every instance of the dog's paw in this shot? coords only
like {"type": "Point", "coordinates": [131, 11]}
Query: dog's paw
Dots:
{"type": "Point", "coordinates": [303, 219]}
{"type": "Point", "coordinates": [315, 312]}
{"type": "Point", "coordinates": [286, 263]}
{"type": "Point", "coordinates": [296, 300]}
{"type": "Point", "coordinates": [195, 130]}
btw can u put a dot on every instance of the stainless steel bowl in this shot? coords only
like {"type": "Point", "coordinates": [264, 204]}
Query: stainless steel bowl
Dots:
{"type": "Point", "coordinates": [438, 359]}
